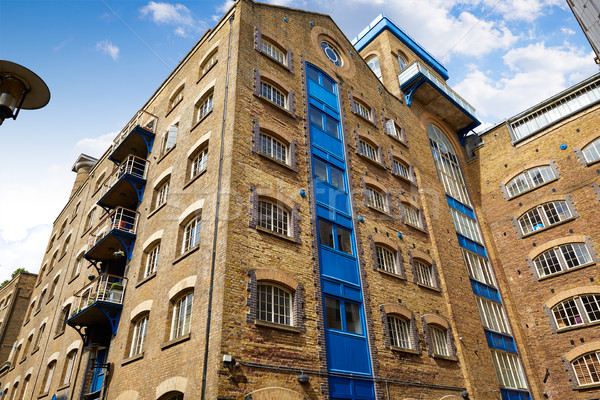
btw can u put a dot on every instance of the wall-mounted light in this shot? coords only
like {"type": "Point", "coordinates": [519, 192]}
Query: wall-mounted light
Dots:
{"type": "Point", "coordinates": [303, 378]}
{"type": "Point", "coordinates": [465, 394]}
{"type": "Point", "coordinates": [20, 88]}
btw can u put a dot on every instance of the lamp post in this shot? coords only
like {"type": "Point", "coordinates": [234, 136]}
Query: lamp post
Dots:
{"type": "Point", "coordinates": [20, 88]}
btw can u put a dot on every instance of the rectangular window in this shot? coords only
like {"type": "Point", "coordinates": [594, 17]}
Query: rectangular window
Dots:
{"type": "Point", "coordinates": [139, 336]}
{"type": "Point", "coordinates": [273, 94]}
{"type": "Point", "coordinates": [492, 315]}
{"type": "Point", "coordinates": [424, 273]}
{"type": "Point", "coordinates": [376, 200]}
{"type": "Point", "coordinates": [508, 369]}
{"type": "Point", "coordinates": [182, 316]}
{"type": "Point", "coordinates": [161, 194]}
{"type": "Point", "coordinates": [367, 150]}
{"type": "Point", "coordinates": [479, 268]}
{"type": "Point", "coordinates": [152, 261]}
{"type": "Point", "coordinates": [204, 107]}
{"type": "Point", "coordinates": [274, 305]}
{"type": "Point", "coordinates": [199, 163]}
{"type": "Point", "coordinates": [399, 335]}
{"type": "Point", "coordinates": [592, 307]}
{"type": "Point", "coordinates": [273, 218]}
{"type": "Point", "coordinates": [273, 148]}
{"type": "Point", "coordinates": [386, 260]}
{"type": "Point", "coordinates": [170, 139]}
{"type": "Point", "coordinates": [466, 226]}
{"type": "Point", "coordinates": [439, 341]}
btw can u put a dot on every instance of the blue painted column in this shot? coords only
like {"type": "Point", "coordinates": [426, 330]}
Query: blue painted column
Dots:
{"type": "Point", "coordinates": [347, 348]}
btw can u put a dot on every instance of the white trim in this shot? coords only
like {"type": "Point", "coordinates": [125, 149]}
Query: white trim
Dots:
{"type": "Point", "coordinates": [197, 205]}
{"type": "Point", "coordinates": [180, 86]}
{"type": "Point", "coordinates": [185, 283]}
{"type": "Point", "coordinates": [209, 53]}
{"type": "Point", "coordinates": [153, 238]}
{"type": "Point", "coordinates": [67, 302]}
{"type": "Point", "coordinates": [73, 346]}
{"type": "Point", "coordinates": [140, 308]}
{"type": "Point", "coordinates": [176, 383]}
{"type": "Point", "coordinates": [198, 144]}
{"type": "Point", "coordinates": [31, 332]}
{"type": "Point", "coordinates": [206, 89]}
{"type": "Point", "coordinates": [162, 176]}
{"type": "Point", "coordinates": [53, 357]}
{"type": "Point", "coordinates": [29, 372]}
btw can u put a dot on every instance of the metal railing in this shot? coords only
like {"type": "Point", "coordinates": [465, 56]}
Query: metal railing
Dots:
{"type": "Point", "coordinates": [142, 118]}
{"type": "Point", "coordinates": [417, 68]}
{"type": "Point", "coordinates": [106, 287]}
{"type": "Point", "coordinates": [120, 219]}
{"type": "Point", "coordinates": [132, 165]}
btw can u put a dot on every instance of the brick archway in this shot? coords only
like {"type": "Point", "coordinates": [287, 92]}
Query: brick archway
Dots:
{"type": "Point", "coordinates": [274, 393]}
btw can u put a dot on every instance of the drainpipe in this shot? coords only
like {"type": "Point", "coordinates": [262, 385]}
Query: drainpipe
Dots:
{"type": "Point", "coordinates": [216, 226]}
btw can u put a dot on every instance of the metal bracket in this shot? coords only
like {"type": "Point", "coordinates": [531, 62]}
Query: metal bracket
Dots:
{"type": "Point", "coordinates": [408, 96]}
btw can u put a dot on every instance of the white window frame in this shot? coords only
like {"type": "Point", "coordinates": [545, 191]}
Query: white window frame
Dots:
{"type": "Point", "coordinates": [591, 152]}
{"type": "Point", "coordinates": [399, 329]}
{"type": "Point", "coordinates": [269, 309]}
{"type": "Point", "coordinates": [376, 199]}
{"type": "Point", "coordinates": [556, 255]}
{"type": "Point", "coordinates": [182, 316]}
{"type": "Point", "coordinates": [584, 377]}
{"type": "Point", "coordinates": [273, 217]}
{"type": "Point", "coordinates": [542, 216]}
{"type": "Point", "coordinates": [152, 260]}
{"type": "Point", "coordinates": [529, 179]}
{"type": "Point", "coordinates": [273, 94]}
{"type": "Point", "coordinates": [439, 340]}
{"type": "Point", "coordinates": [400, 168]}
{"type": "Point", "coordinates": [191, 234]}
{"type": "Point", "coordinates": [162, 192]}
{"type": "Point", "coordinates": [575, 312]}
{"type": "Point", "coordinates": [273, 51]}
{"type": "Point", "coordinates": [274, 148]}
{"type": "Point", "coordinates": [176, 98]}
{"type": "Point", "coordinates": [492, 315]}
{"type": "Point", "coordinates": [411, 216]}
{"type": "Point", "coordinates": [367, 150]}
{"type": "Point", "coordinates": [386, 260]}
{"type": "Point", "coordinates": [424, 273]}
{"type": "Point", "coordinates": [361, 110]}
{"type": "Point", "coordinates": [49, 375]}
{"type": "Point", "coordinates": [210, 61]}
{"type": "Point", "coordinates": [204, 107]}
{"type": "Point", "coordinates": [466, 226]}
{"type": "Point", "coordinates": [479, 268]}
{"type": "Point", "coordinates": [69, 367]}
{"type": "Point", "coordinates": [199, 162]}
{"type": "Point", "coordinates": [508, 370]}
{"type": "Point", "coordinates": [373, 63]}
{"type": "Point", "coordinates": [138, 337]}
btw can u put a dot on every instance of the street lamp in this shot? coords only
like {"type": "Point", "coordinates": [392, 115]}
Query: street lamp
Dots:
{"type": "Point", "coordinates": [20, 88]}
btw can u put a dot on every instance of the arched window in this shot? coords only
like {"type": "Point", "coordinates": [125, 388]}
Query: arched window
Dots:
{"type": "Point", "coordinates": [161, 192]}
{"type": "Point", "coordinates": [272, 50]}
{"type": "Point", "coordinates": [376, 199]}
{"type": "Point", "coordinates": [25, 387]}
{"type": "Point", "coordinates": [204, 106]}
{"type": "Point", "coordinates": [578, 310]}
{"type": "Point", "coordinates": [373, 63]}
{"type": "Point", "coordinates": [176, 98]}
{"type": "Point", "coordinates": [424, 273]}
{"type": "Point", "coordinates": [386, 260]}
{"type": "Point", "coordinates": [172, 396]}
{"type": "Point", "coordinates": [151, 260]}
{"type": "Point", "coordinates": [544, 216]}
{"type": "Point", "coordinates": [273, 94]}
{"type": "Point", "coordinates": [89, 222]}
{"type": "Point", "coordinates": [274, 304]}
{"type": "Point", "coordinates": [368, 150]}
{"type": "Point", "coordinates": [208, 63]}
{"type": "Point", "coordinates": [411, 215]}
{"type": "Point", "coordinates": [529, 179]}
{"type": "Point", "coordinates": [27, 347]}
{"type": "Point", "coordinates": [273, 147]}
{"type": "Point", "coordinates": [62, 319]}
{"type": "Point", "coordinates": [68, 368]}
{"type": "Point", "coordinates": [587, 369]}
{"type": "Point", "coordinates": [362, 109]}
{"type": "Point", "coordinates": [38, 340]}
{"type": "Point", "coordinates": [191, 234]}
{"type": "Point", "coordinates": [447, 165]}
{"type": "Point", "coordinates": [562, 258]}
{"type": "Point", "coordinates": [198, 162]}
{"type": "Point", "coordinates": [401, 61]}
{"type": "Point", "coordinates": [48, 377]}
{"type": "Point", "coordinates": [138, 337]}
{"type": "Point", "coordinates": [591, 152]}
{"type": "Point", "coordinates": [181, 315]}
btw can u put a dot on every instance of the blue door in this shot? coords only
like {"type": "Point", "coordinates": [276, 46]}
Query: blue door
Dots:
{"type": "Point", "coordinates": [99, 372]}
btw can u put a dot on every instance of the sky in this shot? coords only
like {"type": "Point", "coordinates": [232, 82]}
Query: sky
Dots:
{"type": "Point", "coordinates": [102, 59]}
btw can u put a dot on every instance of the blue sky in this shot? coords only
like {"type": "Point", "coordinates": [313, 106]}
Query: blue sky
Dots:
{"type": "Point", "coordinates": [102, 59]}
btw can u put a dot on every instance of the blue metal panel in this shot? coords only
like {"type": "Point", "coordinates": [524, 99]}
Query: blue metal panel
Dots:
{"type": "Point", "coordinates": [332, 196]}
{"type": "Point", "coordinates": [514, 394]}
{"type": "Point", "coordinates": [347, 353]}
{"type": "Point", "coordinates": [382, 23]}
{"type": "Point", "coordinates": [325, 96]}
{"type": "Point", "coordinates": [471, 245]}
{"type": "Point", "coordinates": [483, 290]}
{"type": "Point", "coordinates": [338, 265]}
{"type": "Point", "coordinates": [326, 142]}
{"type": "Point", "coordinates": [500, 341]}
{"type": "Point", "coordinates": [348, 388]}
{"type": "Point", "coordinates": [330, 214]}
{"type": "Point", "coordinates": [460, 207]}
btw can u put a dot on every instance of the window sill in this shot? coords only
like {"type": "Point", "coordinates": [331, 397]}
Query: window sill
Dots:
{"type": "Point", "coordinates": [279, 235]}
{"type": "Point", "coordinates": [566, 271]}
{"type": "Point", "coordinates": [132, 359]}
{"type": "Point", "coordinates": [26, 322]}
{"type": "Point", "coordinates": [447, 358]}
{"type": "Point", "coordinates": [42, 395]}
{"type": "Point", "coordinates": [590, 386]}
{"type": "Point", "coordinates": [405, 350]}
{"type": "Point", "coordinates": [195, 178]}
{"type": "Point", "coordinates": [86, 231]}
{"type": "Point", "coordinates": [380, 211]}
{"type": "Point", "coordinates": [174, 107]}
{"type": "Point", "coordinates": [364, 118]}
{"type": "Point", "coordinates": [146, 279]}
{"type": "Point", "coordinates": [62, 256]}
{"type": "Point", "coordinates": [73, 217]}
{"type": "Point", "coordinates": [405, 179]}
{"type": "Point", "coordinates": [274, 325]}
{"type": "Point", "coordinates": [37, 312]}
{"type": "Point", "coordinates": [165, 154]}
{"type": "Point", "coordinates": [275, 105]}
{"type": "Point", "coordinates": [429, 287]}
{"type": "Point", "coordinates": [73, 278]}
{"type": "Point", "coordinates": [175, 341]}
{"type": "Point", "coordinates": [268, 157]}
{"type": "Point", "coordinates": [374, 162]}
{"type": "Point", "coordinates": [156, 210]}
{"type": "Point", "coordinates": [187, 253]}
{"type": "Point", "coordinates": [63, 387]}
{"type": "Point", "coordinates": [392, 274]}
{"type": "Point", "coordinates": [580, 326]}
{"type": "Point", "coordinates": [23, 360]}
{"type": "Point", "coordinates": [35, 351]}
{"type": "Point", "coordinates": [589, 164]}
{"type": "Point", "coordinates": [564, 221]}
{"type": "Point", "coordinates": [416, 227]}
{"type": "Point", "coordinates": [397, 139]}
{"type": "Point", "coordinates": [59, 334]}
{"type": "Point", "coordinates": [49, 300]}
{"type": "Point", "coordinates": [275, 61]}
{"type": "Point", "coordinates": [532, 189]}
{"type": "Point", "coordinates": [201, 119]}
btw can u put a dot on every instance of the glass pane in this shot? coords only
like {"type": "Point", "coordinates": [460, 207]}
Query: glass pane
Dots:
{"type": "Point", "coordinates": [332, 126]}
{"type": "Point", "coordinates": [344, 242]}
{"type": "Point", "coordinates": [353, 324]}
{"type": "Point", "coordinates": [316, 118]}
{"type": "Point", "coordinates": [313, 75]}
{"type": "Point", "coordinates": [328, 84]}
{"type": "Point", "coordinates": [320, 169]}
{"type": "Point", "coordinates": [337, 177]}
{"type": "Point", "coordinates": [333, 316]}
{"type": "Point", "coordinates": [325, 233]}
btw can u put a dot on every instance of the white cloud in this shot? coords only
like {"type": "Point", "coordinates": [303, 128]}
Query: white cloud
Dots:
{"type": "Point", "coordinates": [533, 73]}
{"type": "Point", "coordinates": [567, 31]}
{"type": "Point", "coordinates": [225, 6]}
{"type": "Point", "coordinates": [171, 14]}
{"type": "Point", "coordinates": [26, 253]}
{"type": "Point", "coordinates": [107, 47]}
{"type": "Point", "coordinates": [94, 147]}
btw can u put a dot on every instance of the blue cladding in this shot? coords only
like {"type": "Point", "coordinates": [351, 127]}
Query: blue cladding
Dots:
{"type": "Point", "coordinates": [471, 245]}
{"type": "Point", "coordinates": [483, 290]}
{"type": "Point", "coordinates": [351, 388]}
{"type": "Point", "coordinates": [341, 359]}
{"type": "Point", "coordinates": [338, 289]}
{"type": "Point", "coordinates": [331, 196]}
{"type": "Point", "coordinates": [500, 341]}
{"type": "Point", "coordinates": [514, 394]}
{"type": "Point", "coordinates": [460, 207]}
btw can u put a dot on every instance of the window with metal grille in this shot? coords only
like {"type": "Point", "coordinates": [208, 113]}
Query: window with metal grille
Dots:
{"type": "Point", "coordinates": [151, 260]}
{"type": "Point", "coordinates": [361, 110]}
{"type": "Point", "coordinates": [399, 168]}
{"type": "Point", "coordinates": [544, 216]}
{"type": "Point", "coordinates": [376, 199]}
{"type": "Point", "coordinates": [508, 370]}
{"type": "Point", "coordinates": [411, 216]}
{"type": "Point", "coordinates": [439, 340]}
{"type": "Point", "coordinates": [386, 260]}
{"type": "Point", "coordinates": [199, 163]}
{"type": "Point", "coordinates": [273, 94]}
{"type": "Point", "coordinates": [191, 234]}
{"type": "Point", "coordinates": [479, 268]}
{"type": "Point", "coordinates": [162, 193]}
{"type": "Point", "coordinates": [529, 179]}
{"type": "Point", "coordinates": [591, 152]}
{"type": "Point", "coordinates": [273, 148]}
{"type": "Point", "coordinates": [273, 218]}
{"type": "Point", "coordinates": [587, 369]}
{"type": "Point", "coordinates": [139, 336]}
{"type": "Point", "coordinates": [274, 304]}
{"type": "Point", "coordinates": [424, 273]}
{"type": "Point", "coordinates": [367, 150]}
{"type": "Point", "coordinates": [562, 258]}
{"type": "Point", "coordinates": [182, 316]}
{"type": "Point", "coordinates": [272, 51]}
{"type": "Point", "coordinates": [203, 107]}
{"type": "Point", "coordinates": [399, 332]}
{"type": "Point", "coordinates": [492, 315]}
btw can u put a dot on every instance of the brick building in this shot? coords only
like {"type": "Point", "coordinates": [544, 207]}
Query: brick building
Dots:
{"type": "Point", "coordinates": [293, 215]}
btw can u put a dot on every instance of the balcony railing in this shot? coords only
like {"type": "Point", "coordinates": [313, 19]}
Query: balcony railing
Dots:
{"type": "Point", "coordinates": [417, 69]}
{"type": "Point", "coordinates": [142, 118]}
{"type": "Point", "coordinates": [132, 165]}
{"type": "Point", "coordinates": [106, 288]}
{"type": "Point", "coordinates": [120, 220]}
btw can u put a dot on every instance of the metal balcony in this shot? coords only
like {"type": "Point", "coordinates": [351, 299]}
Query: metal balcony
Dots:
{"type": "Point", "coordinates": [136, 138]}
{"type": "Point", "coordinates": [420, 83]}
{"type": "Point", "coordinates": [98, 304]}
{"type": "Point", "coordinates": [125, 187]}
{"type": "Point", "coordinates": [114, 236]}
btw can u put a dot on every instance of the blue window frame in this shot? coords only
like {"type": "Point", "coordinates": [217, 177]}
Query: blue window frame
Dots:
{"type": "Point", "coordinates": [342, 315]}
{"type": "Point", "coordinates": [334, 236]}
{"type": "Point", "coordinates": [316, 76]}
{"type": "Point", "coordinates": [328, 173]}
{"type": "Point", "coordinates": [324, 122]}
